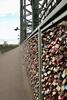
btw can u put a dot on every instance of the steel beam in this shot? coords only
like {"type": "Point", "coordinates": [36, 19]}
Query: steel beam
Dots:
{"type": "Point", "coordinates": [23, 19]}
{"type": "Point", "coordinates": [40, 62]}
{"type": "Point", "coordinates": [35, 13]}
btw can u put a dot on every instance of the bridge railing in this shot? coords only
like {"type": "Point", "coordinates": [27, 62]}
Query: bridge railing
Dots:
{"type": "Point", "coordinates": [44, 56]}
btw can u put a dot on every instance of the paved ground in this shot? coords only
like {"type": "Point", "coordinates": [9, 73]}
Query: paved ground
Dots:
{"type": "Point", "coordinates": [13, 79]}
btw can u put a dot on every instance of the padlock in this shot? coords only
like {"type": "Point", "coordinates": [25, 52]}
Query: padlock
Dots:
{"type": "Point", "coordinates": [65, 53]}
{"type": "Point", "coordinates": [58, 88]}
{"type": "Point", "coordinates": [49, 72]}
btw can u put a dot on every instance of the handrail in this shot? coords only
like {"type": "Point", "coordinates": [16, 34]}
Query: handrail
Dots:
{"type": "Point", "coordinates": [54, 21]}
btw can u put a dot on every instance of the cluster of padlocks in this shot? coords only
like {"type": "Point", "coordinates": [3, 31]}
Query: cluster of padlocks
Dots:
{"type": "Point", "coordinates": [31, 61]}
{"type": "Point", "coordinates": [54, 63]}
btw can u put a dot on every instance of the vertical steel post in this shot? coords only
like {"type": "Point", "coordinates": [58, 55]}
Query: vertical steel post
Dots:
{"type": "Point", "coordinates": [24, 19]}
{"type": "Point", "coordinates": [21, 20]}
{"type": "Point", "coordinates": [22, 15]}
{"type": "Point", "coordinates": [40, 62]}
{"type": "Point", "coordinates": [35, 13]}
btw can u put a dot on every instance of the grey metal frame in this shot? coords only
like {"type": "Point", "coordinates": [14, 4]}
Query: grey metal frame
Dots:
{"type": "Point", "coordinates": [25, 24]}
{"type": "Point", "coordinates": [46, 7]}
{"type": "Point", "coordinates": [43, 27]}
{"type": "Point", "coordinates": [40, 62]}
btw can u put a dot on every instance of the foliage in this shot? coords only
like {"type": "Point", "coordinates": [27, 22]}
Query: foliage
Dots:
{"type": "Point", "coordinates": [5, 48]}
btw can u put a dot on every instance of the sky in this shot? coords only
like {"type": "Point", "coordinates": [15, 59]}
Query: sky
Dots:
{"type": "Point", "coordinates": [9, 20]}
